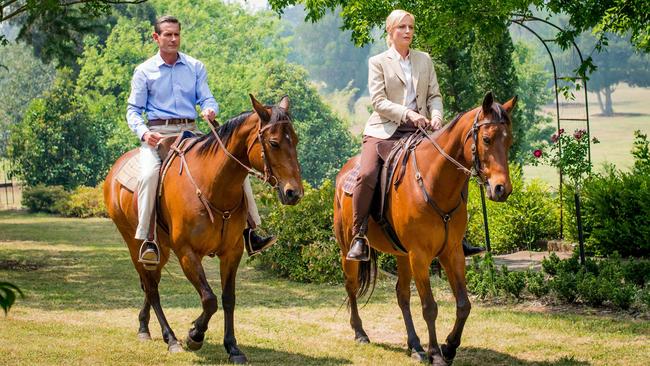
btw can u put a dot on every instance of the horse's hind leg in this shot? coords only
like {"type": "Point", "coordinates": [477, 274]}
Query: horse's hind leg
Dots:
{"type": "Point", "coordinates": [403, 291]}
{"type": "Point", "coordinates": [150, 280]}
{"type": "Point", "coordinates": [454, 265]}
{"type": "Point", "coordinates": [143, 317]}
{"type": "Point", "coordinates": [351, 271]}
{"type": "Point", "coordinates": [228, 269]}
{"type": "Point", "coordinates": [194, 272]}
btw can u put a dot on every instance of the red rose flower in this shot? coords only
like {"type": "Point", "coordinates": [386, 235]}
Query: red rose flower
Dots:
{"type": "Point", "coordinates": [554, 138]}
{"type": "Point", "coordinates": [537, 153]}
{"type": "Point", "coordinates": [579, 133]}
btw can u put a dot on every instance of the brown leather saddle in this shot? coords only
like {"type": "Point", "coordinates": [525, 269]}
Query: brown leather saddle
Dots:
{"type": "Point", "coordinates": [168, 149]}
{"type": "Point", "coordinates": [395, 155]}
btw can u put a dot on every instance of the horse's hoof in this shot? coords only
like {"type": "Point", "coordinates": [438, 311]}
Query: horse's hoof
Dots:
{"type": "Point", "coordinates": [192, 344]}
{"type": "Point", "coordinates": [362, 339]}
{"type": "Point", "coordinates": [238, 359]}
{"type": "Point", "coordinates": [437, 360]}
{"type": "Point", "coordinates": [419, 356]}
{"type": "Point", "coordinates": [144, 336]}
{"type": "Point", "coordinates": [175, 348]}
{"type": "Point", "coordinates": [448, 353]}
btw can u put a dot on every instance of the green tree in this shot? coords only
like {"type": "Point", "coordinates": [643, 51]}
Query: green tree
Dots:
{"type": "Point", "coordinates": [104, 81]}
{"type": "Point", "coordinates": [618, 63]}
{"type": "Point", "coordinates": [55, 144]}
{"type": "Point", "coordinates": [621, 17]}
{"type": "Point", "coordinates": [325, 143]}
{"type": "Point", "coordinates": [22, 79]}
{"type": "Point", "coordinates": [327, 52]}
{"type": "Point", "coordinates": [55, 28]}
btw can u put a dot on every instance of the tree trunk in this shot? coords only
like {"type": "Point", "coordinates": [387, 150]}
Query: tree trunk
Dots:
{"type": "Point", "coordinates": [609, 111]}
{"type": "Point", "coordinates": [600, 102]}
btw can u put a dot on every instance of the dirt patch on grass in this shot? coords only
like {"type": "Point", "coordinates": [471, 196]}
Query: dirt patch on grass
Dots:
{"type": "Point", "coordinates": [14, 265]}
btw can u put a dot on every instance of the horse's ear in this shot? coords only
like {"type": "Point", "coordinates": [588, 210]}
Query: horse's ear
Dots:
{"type": "Point", "coordinates": [284, 103]}
{"type": "Point", "coordinates": [260, 109]}
{"type": "Point", "coordinates": [510, 105]}
{"type": "Point", "coordinates": [488, 100]}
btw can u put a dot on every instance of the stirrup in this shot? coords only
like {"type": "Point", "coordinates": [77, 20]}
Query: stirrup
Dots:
{"type": "Point", "coordinates": [148, 258]}
{"type": "Point", "coordinates": [363, 257]}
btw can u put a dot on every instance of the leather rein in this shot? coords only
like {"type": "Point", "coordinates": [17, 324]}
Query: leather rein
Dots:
{"type": "Point", "coordinates": [267, 177]}
{"type": "Point", "coordinates": [475, 172]}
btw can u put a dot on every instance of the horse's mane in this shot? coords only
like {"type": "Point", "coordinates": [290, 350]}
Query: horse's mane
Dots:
{"type": "Point", "coordinates": [497, 111]}
{"type": "Point", "coordinates": [226, 130]}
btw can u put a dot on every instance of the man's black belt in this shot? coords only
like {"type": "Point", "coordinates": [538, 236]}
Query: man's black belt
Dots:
{"type": "Point", "coordinates": [171, 121]}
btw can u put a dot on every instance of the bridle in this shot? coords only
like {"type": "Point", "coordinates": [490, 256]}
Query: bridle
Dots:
{"type": "Point", "coordinates": [268, 175]}
{"type": "Point", "coordinates": [476, 169]}
{"type": "Point", "coordinates": [475, 172]}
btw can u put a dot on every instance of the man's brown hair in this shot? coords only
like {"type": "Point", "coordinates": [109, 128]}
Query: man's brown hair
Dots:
{"type": "Point", "coordinates": [165, 19]}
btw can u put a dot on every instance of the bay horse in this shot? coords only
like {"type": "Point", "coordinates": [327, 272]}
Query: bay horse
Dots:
{"type": "Point", "coordinates": [429, 215]}
{"type": "Point", "coordinates": [204, 211]}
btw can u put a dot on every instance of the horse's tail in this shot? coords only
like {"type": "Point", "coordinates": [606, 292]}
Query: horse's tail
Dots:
{"type": "Point", "coordinates": [368, 276]}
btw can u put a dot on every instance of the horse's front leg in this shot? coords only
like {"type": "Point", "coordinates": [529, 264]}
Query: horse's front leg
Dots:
{"type": "Point", "coordinates": [229, 262]}
{"type": "Point", "coordinates": [191, 265]}
{"type": "Point", "coordinates": [403, 292]}
{"type": "Point", "coordinates": [420, 263]}
{"type": "Point", "coordinates": [454, 265]}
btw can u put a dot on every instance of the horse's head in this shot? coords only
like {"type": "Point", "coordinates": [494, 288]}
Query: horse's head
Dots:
{"type": "Point", "coordinates": [274, 150]}
{"type": "Point", "coordinates": [492, 136]}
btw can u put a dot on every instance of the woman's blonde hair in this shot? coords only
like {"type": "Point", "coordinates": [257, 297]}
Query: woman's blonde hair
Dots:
{"type": "Point", "coordinates": [393, 20]}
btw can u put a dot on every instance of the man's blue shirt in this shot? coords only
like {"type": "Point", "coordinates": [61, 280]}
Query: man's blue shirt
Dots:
{"type": "Point", "coordinates": [168, 91]}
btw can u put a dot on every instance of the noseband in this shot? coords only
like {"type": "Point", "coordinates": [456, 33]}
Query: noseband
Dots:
{"type": "Point", "coordinates": [268, 176]}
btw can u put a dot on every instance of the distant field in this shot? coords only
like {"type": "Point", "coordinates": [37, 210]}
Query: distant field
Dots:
{"type": "Point", "coordinates": [616, 134]}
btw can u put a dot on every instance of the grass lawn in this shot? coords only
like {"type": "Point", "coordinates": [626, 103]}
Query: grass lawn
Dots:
{"type": "Point", "coordinates": [83, 299]}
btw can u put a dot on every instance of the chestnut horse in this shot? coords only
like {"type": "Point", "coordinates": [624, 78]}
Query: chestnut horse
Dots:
{"type": "Point", "coordinates": [204, 211]}
{"type": "Point", "coordinates": [428, 211]}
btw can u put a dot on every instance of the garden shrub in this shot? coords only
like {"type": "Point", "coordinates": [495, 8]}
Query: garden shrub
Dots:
{"type": "Point", "coordinates": [84, 202]}
{"type": "Point", "coordinates": [511, 282]}
{"type": "Point", "coordinates": [564, 285]}
{"type": "Point", "coordinates": [42, 198]}
{"type": "Point", "coordinates": [644, 296]}
{"type": "Point", "coordinates": [481, 277]}
{"type": "Point", "coordinates": [550, 263]}
{"type": "Point", "coordinates": [593, 290]}
{"type": "Point", "coordinates": [623, 295]}
{"type": "Point", "coordinates": [387, 262]}
{"type": "Point", "coordinates": [616, 208]}
{"type": "Point", "coordinates": [536, 283]}
{"type": "Point", "coordinates": [530, 214]}
{"type": "Point", "coordinates": [306, 250]}
{"type": "Point", "coordinates": [637, 271]}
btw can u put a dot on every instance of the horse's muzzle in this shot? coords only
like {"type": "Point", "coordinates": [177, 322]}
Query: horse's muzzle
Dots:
{"type": "Point", "coordinates": [290, 195]}
{"type": "Point", "coordinates": [497, 192]}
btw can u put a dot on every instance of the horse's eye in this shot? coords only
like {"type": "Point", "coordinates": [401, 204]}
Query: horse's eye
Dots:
{"type": "Point", "coordinates": [486, 140]}
{"type": "Point", "coordinates": [274, 143]}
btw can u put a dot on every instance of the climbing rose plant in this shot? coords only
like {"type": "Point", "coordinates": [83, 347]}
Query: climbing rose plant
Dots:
{"type": "Point", "coordinates": [568, 153]}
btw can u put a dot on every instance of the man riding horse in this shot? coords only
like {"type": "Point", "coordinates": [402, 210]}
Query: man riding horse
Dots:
{"type": "Point", "coordinates": [167, 87]}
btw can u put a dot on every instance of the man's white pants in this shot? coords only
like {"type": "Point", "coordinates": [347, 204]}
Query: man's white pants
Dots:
{"type": "Point", "coordinates": [148, 181]}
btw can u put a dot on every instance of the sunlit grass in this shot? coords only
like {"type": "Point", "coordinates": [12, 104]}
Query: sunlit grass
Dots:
{"type": "Point", "coordinates": [83, 298]}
